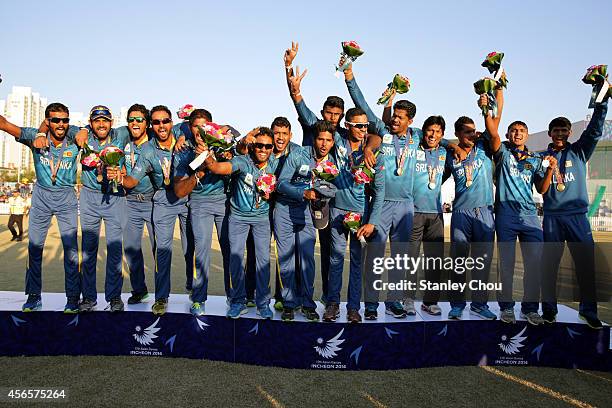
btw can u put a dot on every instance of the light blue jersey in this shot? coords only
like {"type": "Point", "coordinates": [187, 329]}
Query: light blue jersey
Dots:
{"type": "Point", "coordinates": [154, 161]}
{"type": "Point", "coordinates": [89, 175]}
{"type": "Point", "coordinates": [244, 201]}
{"type": "Point", "coordinates": [209, 185]}
{"type": "Point", "coordinates": [515, 174]}
{"type": "Point", "coordinates": [427, 191]}
{"type": "Point", "coordinates": [45, 158]}
{"type": "Point", "coordinates": [132, 153]}
{"type": "Point", "coordinates": [479, 193]}
{"type": "Point", "coordinates": [572, 165]}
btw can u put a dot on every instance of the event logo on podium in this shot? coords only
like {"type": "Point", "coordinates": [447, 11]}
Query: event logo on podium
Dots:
{"type": "Point", "coordinates": [329, 349]}
{"type": "Point", "coordinates": [146, 337]}
{"type": "Point", "coordinates": [511, 347]}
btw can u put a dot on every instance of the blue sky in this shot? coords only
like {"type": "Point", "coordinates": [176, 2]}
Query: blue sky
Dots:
{"type": "Point", "coordinates": [228, 57]}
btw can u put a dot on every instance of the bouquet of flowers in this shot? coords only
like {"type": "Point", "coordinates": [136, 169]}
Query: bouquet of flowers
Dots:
{"type": "Point", "coordinates": [400, 85]}
{"type": "Point", "coordinates": [352, 222]}
{"type": "Point", "coordinates": [486, 86]}
{"type": "Point", "coordinates": [493, 62]}
{"type": "Point", "coordinates": [326, 170]}
{"type": "Point", "coordinates": [597, 75]}
{"type": "Point", "coordinates": [111, 156]}
{"type": "Point", "coordinates": [350, 51]}
{"type": "Point", "coordinates": [185, 111]}
{"type": "Point", "coordinates": [89, 157]}
{"type": "Point", "coordinates": [219, 140]}
{"type": "Point", "coordinates": [266, 184]}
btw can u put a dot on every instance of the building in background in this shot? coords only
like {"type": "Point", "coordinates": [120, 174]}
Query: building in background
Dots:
{"type": "Point", "coordinates": [23, 108]}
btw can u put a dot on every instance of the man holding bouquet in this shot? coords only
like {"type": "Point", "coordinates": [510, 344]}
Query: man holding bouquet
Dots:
{"type": "Point", "coordinates": [208, 206]}
{"type": "Point", "coordinates": [155, 161]}
{"type": "Point", "coordinates": [293, 225]}
{"type": "Point", "coordinates": [53, 194]}
{"type": "Point", "coordinates": [249, 211]}
{"type": "Point", "coordinates": [352, 198]}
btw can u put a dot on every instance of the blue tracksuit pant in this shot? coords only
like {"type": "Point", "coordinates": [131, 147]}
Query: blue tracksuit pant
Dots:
{"type": "Point", "coordinates": [139, 214]}
{"type": "Point", "coordinates": [339, 238]}
{"type": "Point", "coordinates": [295, 238]}
{"type": "Point", "coordinates": [576, 230]}
{"type": "Point", "coordinates": [166, 208]}
{"type": "Point", "coordinates": [528, 230]}
{"type": "Point", "coordinates": [95, 207]}
{"type": "Point", "coordinates": [45, 204]}
{"type": "Point", "coordinates": [396, 221]}
{"type": "Point", "coordinates": [472, 234]}
{"type": "Point", "coordinates": [204, 213]}
{"type": "Point", "coordinates": [238, 232]}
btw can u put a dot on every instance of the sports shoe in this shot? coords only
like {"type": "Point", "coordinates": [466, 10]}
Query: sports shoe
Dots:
{"type": "Point", "coordinates": [137, 298]}
{"type": "Point", "coordinates": [396, 310]}
{"type": "Point", "coordinates": [72, 305]}
{"type": "Point", "coordinates": [235, 310]}
{"type": "Point", "coordinates": [507, 316]}
{"type": "Point", "coordinates": [484, 313]}
{"type": "Point", "coordinates": [250, 303]}
{"type": "Point", "coordinates": [287, 315]}
{"type": "Point", "coordinates": [533, 318]}
{"type": "Point", "coordinates": [371, 312]}
{"type": "Point", "coordinates": [116, 305]}
{"type": "Point", "coordinates": [433, 310]}
{"type": "Point", "coordinates": [33, 304]}
{"type": "Point", "coordinates": [265, 312]}
{"type": "Point", "coordinates": [160, 306]}
{"type": "Point", "coordinates": [409, 307]}
{"type": "Point", "coordinates": [332, 312]}
{"type": "Point", "coordinates": [87, 305]}
{"type": "Point", "coordinates": [456, 313]}
{"type": "Point", "coordinates": [197, 308]}
{"type": "Point", "coordinates": [592, 322]}
{"type": "Point", "coordinates": [549, 317]}
{"type": "Point", "coordinates": [310, 313]}
{"type": "Point", "coordinates": [353, 316]}
{"type": "Point", "coordinates": [278, 305]}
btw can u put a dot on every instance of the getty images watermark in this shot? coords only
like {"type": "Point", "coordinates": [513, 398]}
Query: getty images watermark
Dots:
{"type": "Point", "coordinates": [410, 265]}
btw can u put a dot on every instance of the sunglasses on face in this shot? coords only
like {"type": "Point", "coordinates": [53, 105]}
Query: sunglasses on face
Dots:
{"type": "Point", "coordinates": [158, 122]}
{"type": "Point", "coordinates": [267, 146]}
{"type": "Point", "coordinates": [358, 125]}
{"type": "Point", "coordinates": [138, 119]}
{"type": "Point", "coordinates": [58, 120]}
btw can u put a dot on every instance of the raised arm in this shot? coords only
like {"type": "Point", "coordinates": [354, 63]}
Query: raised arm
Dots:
{"type": "Point", "coordinates": [360, 102]}
{"type": "Point", "coordinates": [220, 168]}
{"type": "Point", "coordinates": [9, 128]}
{"type": "Point", "coordinates": [542, 182]}
{"type": "Point", "coordinates": [492, 124]}
{"type": "Point", "coordinates": [594, 131]}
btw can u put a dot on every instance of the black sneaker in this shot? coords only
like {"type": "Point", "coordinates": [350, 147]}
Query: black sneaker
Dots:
{"type": "Point", "coordinates": [310, 313]}
{"type": "Point", "coordinates": [371, 313]}
{"type": "Point", "coordinates": [287, 314]}
{"type": "Point", "coordinates": [396, 310]}
{"type": "Point", "coordinates": [549, 317]}
{"type": "Point", "coordinates": [87, 305]}
{"type": "Point", "coordinates": [116, 305]}
{"type": "Point", "coordinates": [592, 322]}
{"type": "Point", "coordinates": [137, 298]}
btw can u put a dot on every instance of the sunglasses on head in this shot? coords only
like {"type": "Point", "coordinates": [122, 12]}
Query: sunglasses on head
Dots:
{"type": "Point", "coordinates": [100, 112]}
{"type": "Point", "coordinates": [358, 125]}
{"type": "Point", "coordinates": [267, 146]}
{"type": "Point", "coordinates": [58, 120]}
{"type": "Point", "coordinates": [138, 119]}
{"type": "Point", "coordinates": [165, 121]}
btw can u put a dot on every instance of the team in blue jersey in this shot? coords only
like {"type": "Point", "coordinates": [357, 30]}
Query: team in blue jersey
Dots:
{"type": "Point", "coordinates": [155, 183]}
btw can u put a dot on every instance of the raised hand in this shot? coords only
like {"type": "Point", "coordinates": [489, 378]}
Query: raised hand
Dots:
{"type": "Point", "coordinates": [552, 162]}
{"type": "Point", "coordinates": [483, 100]}
{"type": "Point", "coordinates": [290, 53]}
{"type": "Point", "coordinates": [113, 173]}
{"type": "Point", "coordinates": [81, 137]}
{"type": "Point", "coordinates": [295, 81]}
{"type": "Point", "coordinates": [41, 142]}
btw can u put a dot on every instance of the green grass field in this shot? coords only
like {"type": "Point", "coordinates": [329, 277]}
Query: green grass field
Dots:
{"type": "Point", "coordinates": [139, 381]}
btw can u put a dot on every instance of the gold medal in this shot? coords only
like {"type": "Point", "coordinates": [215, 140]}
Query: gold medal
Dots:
{"type": "Point", "coordinates": [166, 181]}
{"type": "Point", "coordinates": [99, 177]}
{"type": "Point", "coordinates": [431, 185]}
{"type": "Point", "coordinates": [400, 171]}
{"type": "Point", "coordinates": [468, 183]}
{"type": "Point", "coordinates": [560, 187]}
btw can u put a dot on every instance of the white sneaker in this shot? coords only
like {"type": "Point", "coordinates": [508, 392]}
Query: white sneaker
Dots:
{"type": "Point", "coordinates": [433, 310]}
{"type": "Point", "coordinates": [409, 307]}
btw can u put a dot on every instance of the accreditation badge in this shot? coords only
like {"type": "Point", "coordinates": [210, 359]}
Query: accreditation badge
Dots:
{"type": "Point", "coordinates": [420, 155]}
{"type": "Point", "coordinates": [388, 138]}
{"type": "Point", "coordinates": [303, 171]}
{"type": "Point", "coordinates": [248, 179]}
{"type": "Point", "coordinates": [568, 163]}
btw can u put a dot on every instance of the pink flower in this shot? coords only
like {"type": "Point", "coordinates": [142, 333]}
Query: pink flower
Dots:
{"type": "Point", "coordinates": [266, 183]}
{"type": "Point", "coordinates": [491, 54]}
{"type": "Point", "coordinates": [91, 160]}
{"type": "Point", "coordinates": [185, 111]}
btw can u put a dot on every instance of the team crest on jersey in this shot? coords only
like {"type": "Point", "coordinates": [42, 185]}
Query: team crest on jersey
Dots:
{"type": "Point", "coordinates": [420, 155]}
{"type": "Point", "coordinates": [127, 148]}
{"type": "Point", "coordinates": [248, 179]}
{"type": "Point", "coordinates": [442, 158]}
{"type": "Point", "coordinates": [528, 166]}
{"type": "Point", "coordinates": [388, 138]}
{"type": "Point", "coordinates": [68, 154]}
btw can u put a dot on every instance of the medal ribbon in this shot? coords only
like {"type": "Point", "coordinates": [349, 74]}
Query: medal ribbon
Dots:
{"type": "Point", "coordinates": [52, 166]}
